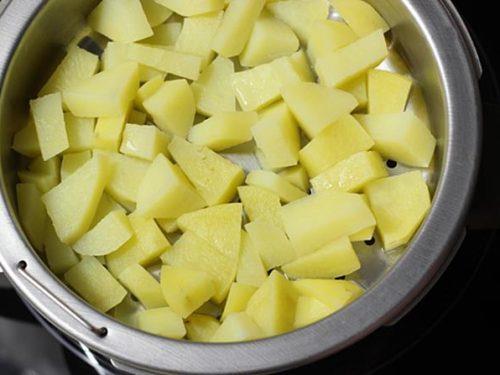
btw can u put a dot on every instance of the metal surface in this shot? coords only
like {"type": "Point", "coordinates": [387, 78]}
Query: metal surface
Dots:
{"type": "Point", "coordinates": [424, 33]}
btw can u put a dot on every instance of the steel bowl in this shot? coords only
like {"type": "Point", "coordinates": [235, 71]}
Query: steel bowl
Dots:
{"type": "Point", "coordinates": [431, 38]}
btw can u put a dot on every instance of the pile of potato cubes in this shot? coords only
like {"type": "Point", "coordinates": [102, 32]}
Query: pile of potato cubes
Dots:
{"type": "Point", "coordinates": [130, 203]}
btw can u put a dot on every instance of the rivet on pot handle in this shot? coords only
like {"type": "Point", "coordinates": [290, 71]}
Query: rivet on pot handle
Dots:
{"type": "Point", "coordinates": [22, 267]}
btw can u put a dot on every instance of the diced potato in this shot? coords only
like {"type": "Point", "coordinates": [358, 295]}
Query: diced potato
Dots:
{"type": "Point", "coordinates": [211, 309]}
{"type": "Point", "coordinates": [43, 182]}
{"type": "Point", "coordinates": [309, 310]}
{"type": "Point", "coordinates": [251, 270]}
{"type": "Point", "coordinates": [270, 39]}
{"type": "Point", "coordinates": [220, 226]}
{"type": "Point", "coordinates": [300, 63]}
{"type": "Point", "coordinates": [300, 15]}
{"type": "Point", "coordinates": [297, 176]}
{"type": "Point", "coordinates": [387, 92]}
{"type": "Point", "coordinates": [277, 137]}
{"type": "Point", "coordinates": [275, 183]}
{"type": "Point", "coordinates": [272, 306]}
{"type": "Point", "coordinates": [330, 261]}
{"type": "Point", "coordinates": [173, 107]}
{"type": "Point", "coordinates": [32, 213]}
{"type": "Point", "coordinates": [185, 290]}
{"type": "Point", "coordinates": [72, 204]}
{"type": "Point", "coordinates": [105, 207]}
{"type": "Point", "coordinates": [316, 107]}
{"type": "Point", "coordinates": [352, 174]}
{"type": "Point", "coordinates": [106, 94]}
{"type": "Point", "coordinates": [334, 144]}
{"type": "Point", "coordinates": [94, 283]}
{"type": "Point", "coordinates": [107, 236]}
{"type": "Point", "coordinates": [326, 36]}
{"type": "Point", "coordinates": [144, 142]}
{"type": "Point", "coordinates": [318, 219]}
{"type": "Point", "coordinates": [108, 132]}
{"type": "Point", "coordinates": [402, 137]}
{"type": "Point", "coordinates": [162, 322]}
{"type": "Point", "coordinates": [189, 8]}
{"type": "Point", "coordinates": [72, 162]}
{"type": "Point", "coordinates": [261, 204]}
{"type": "Point", "coordinates": [224, 130]}
{"type": "Point", "coordinates": [400, 204]}
{"type": "Point", "coordinates": [197, 35]}
{"type": "Point", "coordinates": [50, 167]}
{"type": "Point", "coordinates": [213, 91]}
{"type": "Point", "coordinates": [236, 328]}
{"type": "Point", "coordinates": [60, 257]}
{"type": "Point", "coordinates": [165, 34]}
{"type": "Point", "coordinates": [120, 20]}
{"type": "Point", "coordinates": [80, 133]}
{"type": "Point", "coordinates": [274, 247]}
{"type": "Point", "coordinates": [137, 117]}
{"type": "Point", "coordinates": [333, 293]}
{"type": "Point", "coordinates": [168, 225]}
{"type": "Point", "coordinates": [143, 286]}
{"type": "Point", "coordinates": [337, 68]}
{"type": "Point", "coordinates": [237, 299]}
{"type": "Point", "coordinates": [127, 312]}
{"type": "Point", "coordinates": [49, 124]}
{"type": "Point", "coordinates": [364, 234]}
{"type": "Point", "coordinates": [155, 13]}
{"type": "Point", "coordinates": [360, 16]}
{"type": "Point", "coordinates": [358, 87]}
{"type": "Point", "coordinates": [26, 140]}
{"type": "Point", "coordinates": [192, 252]}
{"type": "Point", "coordinates": [201, 328]}
{"type": "Point", "coordinates": [147, 90]}
{"type": "Point", "coordinates": [215, 177]}
{"type": "Point", "coordinates": [236, 27]}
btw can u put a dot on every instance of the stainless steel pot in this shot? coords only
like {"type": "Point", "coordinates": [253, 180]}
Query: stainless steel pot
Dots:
{"type": "Point", "coordinates": [431, 37]}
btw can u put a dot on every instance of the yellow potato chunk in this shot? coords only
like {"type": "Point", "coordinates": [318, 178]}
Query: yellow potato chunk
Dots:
{"type": "Point", "coordinates": [80, 133]}
{"type": "Point", "coordinates": [60, 257]}
{"type": "Point", "coordinates": [201, 328]}
{"type": "Point", "coordinates": [358, 87]}
{"type": "Point", "coordinates": [165, 34]}
{"type": "Point", "coordinates": [400, 204]}
{"type": "Point", "coordinates": [272, 306]}
{"type": "Point", "coordinates": [127, 312]}
{"type": "Point", "coordinates": [237, 327]}
{"type": "Point", "coordinates": [337, 68]}
{"type": "Point", "coordinates": [236, 27]}
{"type": "Point", "coordinates": [316, 106]}
{"type": "Point", "coordinates": [277, 137]}
{"type": "Point", "coordinates": [162, 322]}
{"type": "Point", "coordinates": [26, 140]}
{"type": "Point", "coordinates": [49, 124]}
{"type": "Point", "coordinates": [335, 215]}
{"type": "Point", "coordinates": [330, 261]}
{"type": "Point", "coordinates": [106, 94]}
{"type": "Point", "coordinates": [32, 213]}
{"type": "Point", "coordinates": [297, 176]}
{"type": "Point", "coordinates": [237, 299]}
{"type": "Point", "coordinates": [326, 36]}
{"type": "Point", "coordinates": [261, 204]}
{"type": "Point", "coordinates": [155, 13]}
{"type": "Point", "coordinates": [72, 204]}
{"type": "Point", "coordinates": [168, 225]}
{"type": "Point", "coordinates": [72, 162]}
{"type": "Point", "coordinates": [309, 310]}
{"type": "Point", "coordinates": [335, 294]}
{"type": "Point", "coordinates": [360, 16]}
{"type": "Point", "coordinates": [352, 174]}
{"type": "Point", "coordinates": [92, 281]}
{"type": "Point", "coordinates": [120, 20]}
{"type": "Point", "coordinates": [275, 183]}
{"type": "Point", "coordinates": [137, 117]}
{"type": "Point", "coordinates": [334, 144]}
{"type": "Point", "coordinates": [224, 130]}
{"type": "Point", "coordinates": [144, 142]}
{"type": "Point", "coordinates": [251, 270]}
{"type": "Point", "coordinates": [143, 286]}
{"type": "Point", "coordinates": [108, 132]}
{"type": "Point", "coordinates": [147, 90]}
{"type": "Point", "coordinates": [270, 39]}
{"type": "Point", "coordinates": [387, 92]}
{"type": "Point", "coordinates": [215, 177]}
{"type": "Point", "coordinates": [43, 182]}
{"type": "Point", "coordinates": [364, 234]}
{"type": "Point", "coordinates": [173, 107]}
{"type": "Point", "coordinates": [165, 193]}
{"type": "Point", "coordinates": [402, 137]}
{"type": "Point", "coordinates": [105, 207]}
{"type": "Point", "coordinates": [189, 8]}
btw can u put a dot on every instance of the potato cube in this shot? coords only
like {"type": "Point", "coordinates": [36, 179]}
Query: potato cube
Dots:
{"type": "Point", "coordinates": [310, 310]}
{"type": "Point", "coordinates": [316, 106]}
{"type": "Point", "coordinates": [173, 107]}
{"type": "Point", "coordinates": [297, 176]}
{"type": "Point", "coordinates": [335, 215]}
{"type": "Point", "coordinates": [120, 20]}
{"type": "Point", "coordinates": [352, 174]}
{"type": "Point", "coordinates": [49, 124]}
{"type": "Point", "coordinates": [108, 132]}
{"type": "Point", "coordinates": [92, 281]}
{"type": "Point", "coordinates": [261, 204]}
{"type": "Point", "coordinates": [337, 68]}
{"type": "Point", "coordinates": [402, 137]}
{"type": "Point", "coordinates": [387, 92]}
{"type": "Point", "coordinates": [168, 225]}
{"type": "Point", "coordinates": [106, 94]}
{"type": "Point", "coordinates": [400, 204]}
{"type": "Point", "coordinates": [165, 193]}
{"type": "Point", "coordinates": [80, 133]}
{"type": "Point", "coordinates": [360, 16]}
{"type": "Point", "coordinates": [333, 260]}
{"type": "Point", "coordinates": [26, 140]}
{"type": "Point", "coordinates": [275, 183]}
{"type": "Point", "coordinates": [144, 142]}
{"type": "Point", "coordinates": [277, 137]}
{"type": "Point", "coordinates": [60, 257]}
{"type": "Point", "coordinates": [189, 8]}
{"type": "Point", "coordinates": [147, 90]}
{"type": "Point", "coordinates": [165, 34]}
{"type": "Point", "coordinates": [251, 270]}
{"type": "Point", "coordinates": [105, 207]}
{"type": "Point", "coordinates": [236, 328]}
{"type": "Point", "coordinates": [237, 300]}
{"type": "Point", "coordinates": [137, 117]}
{"type": "Point", "coordinates": [358, 88]}
{"type": "Point", "coordinates": [72, 204]}
{"type": "Point", "coordinates": [155, 13]}
{"type": "Point", "coordinates": [201, 328]}
{"type": "Point", "coordinates": [215, 177]}
{"type": "Point", "coordinates": [224, 130]}
{"type": "Point", "coordinates": [326, 36]}
{"type": "Point", "coordinates": [162, 322]}
{"type": "Point", "coordinates": [364, 234]}
{"type": "Point", "coordinates": [143, 286]}
{"type": "Point", "coordinates": [333, 293]}
{"type": "Point", "coordinates": [236, 27]}
{"type": "Point", "coordinates": [44, 174]}
{"type": "Point", "coordinates": [72, 162]}
{"type": "Point", "coordinates": [270, 39]}
{"type": "Point", "coordinates": [32, 213]}
{"type": "Point", "coordinates": [127, 312]}
{"type": "Point", "coordinates": [334, 144]}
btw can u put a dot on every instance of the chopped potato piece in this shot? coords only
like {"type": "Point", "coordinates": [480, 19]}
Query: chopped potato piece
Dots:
{"type": "Point", "coordinates": [358, 87]}
{"type": "Point", "coordinates": [143, 286]}
{"type": "Point", "coordinates": [80, 133]}
{"type": "Point", "coordinates": [387, 92]}
{"type": "Point", "coordinates": [162, 322]}
{"type": "Point", "coordinates": [147, 90]}
{"type": "Point", "coordinates": [237, 327]}
{"type": "Point", "coordinates": [168, 225]}
{"type": "Point", "coordinates": [127, 312]}
{"type": "Point", "coordinates": [60, 257]}
{"type": "Point", "coordinates": [275, 183]}
{"type": "Point", "coordinates": [26, 140]}
{"type": "Point", "coordinates": [105, 207]}
{"type": "Point", "coordinates": [251, 270]}
{"type": "Point", "coordinates": [261, 204]}
{"type": "Point", "coordinates": [326, 36]}
{"type": "Point", "coordinates": [237, 299]}
{"type": "Point", "coordinates": [43, 182]}
{"type": "Point", "coordinates": [32, 213]}
{"type": "Point", "coordinates": [333, 293]}
{"type": "Point", "coordinates": [360, 16]}
{"type": "Point", "coordinates": [155, 13]}
{"type": "Point", "coordinates": [72, 162]}
{"type": "Point", "coordinates": [108, 133]}
{"type": "Point", "coordinates": [165, 34]}
{"type": "Point", "coordinates": [144, 142]}
{"type": "Point", "coordinates": [189, 8]}
{"type": "Point", "coordinates": [297, 176]}
{"type": "Point", "coordinates": [310, 310]}
{"type": "Point", "coordinates": [201, 328]}
{"type": "Point", "coordinates": [137, 117]}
